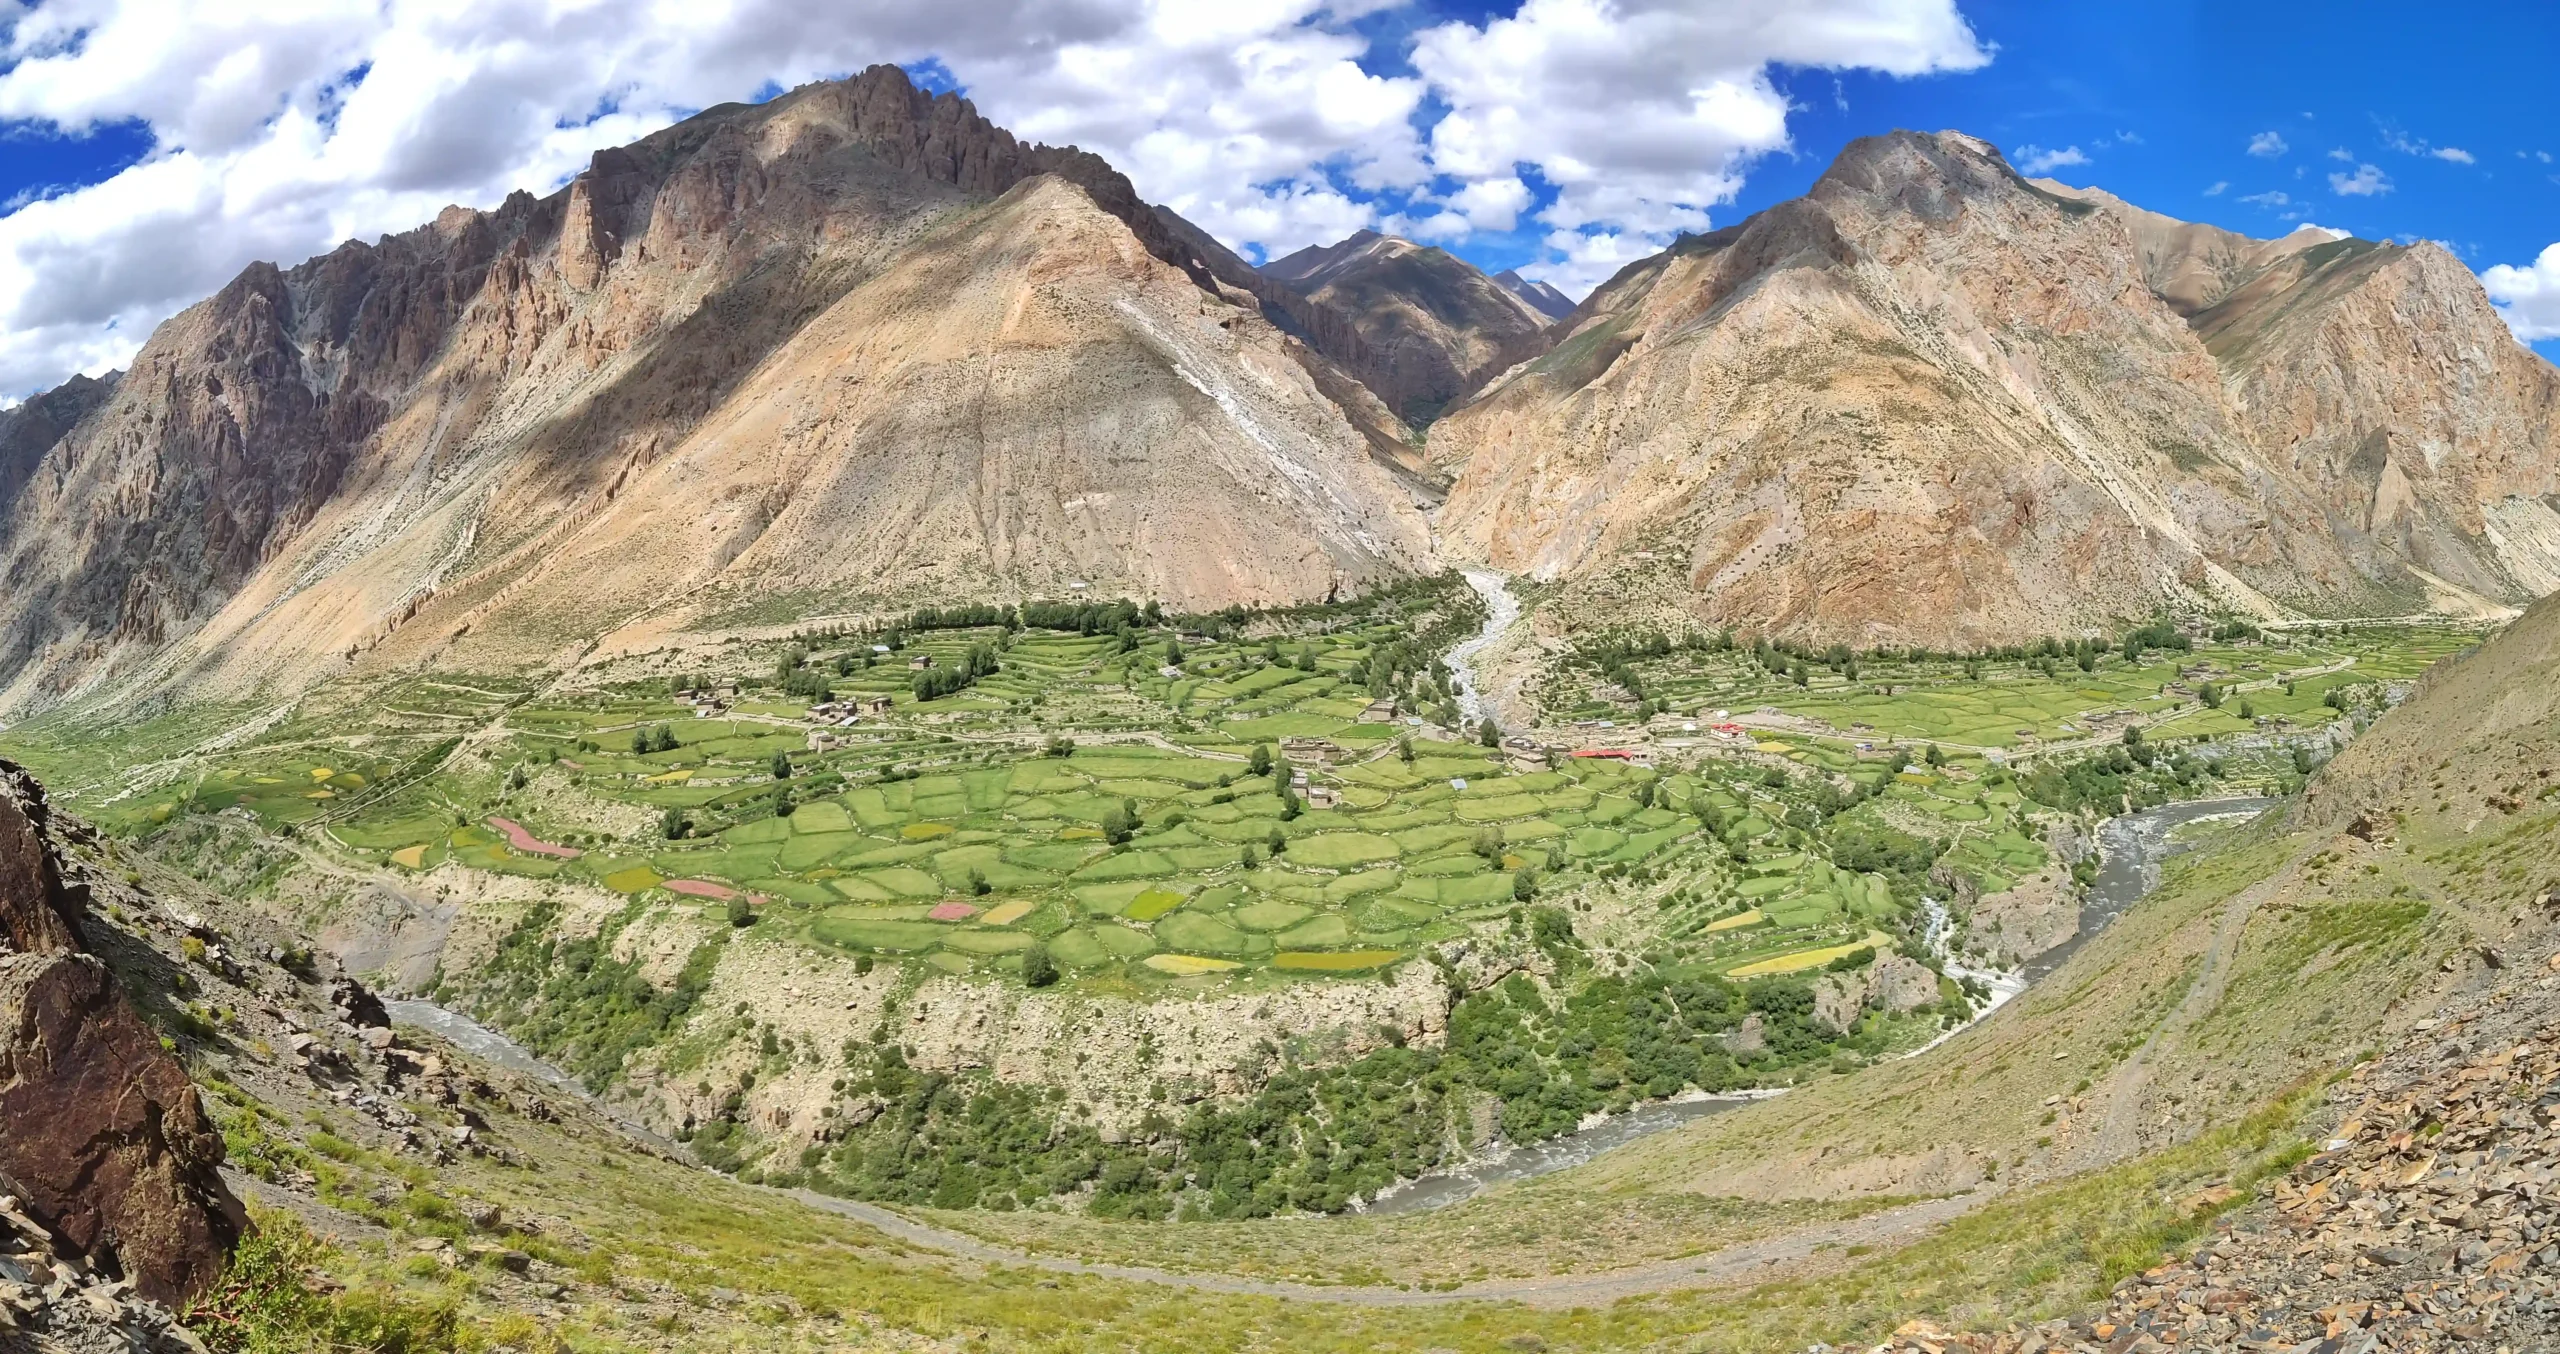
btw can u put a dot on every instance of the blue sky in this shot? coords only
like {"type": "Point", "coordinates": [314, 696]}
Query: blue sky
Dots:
{"type": "Point", "coordinates": [148, 153]}
{"type": "Point", "coordinates": [2394, 86]}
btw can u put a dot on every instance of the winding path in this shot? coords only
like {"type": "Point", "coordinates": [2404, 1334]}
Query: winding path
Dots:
{"type": "Point", "coordinates": [1781, 1256]}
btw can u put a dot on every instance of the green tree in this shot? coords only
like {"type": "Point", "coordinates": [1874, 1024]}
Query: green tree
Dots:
{"type": "Point", "coordinates": [741, 912]}
{"type": "Point", "coordinates": [1278, 842]}
{"type": "Point", "coordinates": [1290, 805]}
{"type": "Point", "coordinates": [1933, 756]}
{"type": "Point", "coordinates": [2211, 695]}
{"type": "Point", "coordinates": [978, 885]}
{"type": "Point", "coordinates": [1524, 886]}
{"type": "Point", "coordinates": [1487, 734]}
{"type": "Point", "coordinates": [671, 823]}
{"type": "Point", "coordinates": [1038, 969]}
{"type": "Point", "coordinates": [1118, 824]}
{"type": "Point", "coordinates": [781, 765]}
{"type": "Point", "coordinates": [1404, 750]}
{"type": "Point", "coordinates": [1259, 761]}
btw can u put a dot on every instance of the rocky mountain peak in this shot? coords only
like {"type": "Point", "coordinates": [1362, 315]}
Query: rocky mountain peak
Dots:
{"type": "Point", "coordinates": [1543, 298]}
{"type": "Point", "coordinates": [2154, 413]}
{"type": "Point", "coordinates": [1418, 325]}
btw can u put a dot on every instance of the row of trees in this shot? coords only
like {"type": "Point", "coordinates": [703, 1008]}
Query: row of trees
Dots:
{"type": "Point", "coordinates": [937, 682]}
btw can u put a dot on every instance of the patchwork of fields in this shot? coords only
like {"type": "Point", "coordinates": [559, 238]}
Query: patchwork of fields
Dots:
{"type": "Point", "coordinates": [961, 830]}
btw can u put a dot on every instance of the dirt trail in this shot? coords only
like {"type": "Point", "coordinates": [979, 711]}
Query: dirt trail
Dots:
{"type": "Point", "coordinates": [2119, 1137]}
{"type": "Point", "coordinates": [1787, 1255]}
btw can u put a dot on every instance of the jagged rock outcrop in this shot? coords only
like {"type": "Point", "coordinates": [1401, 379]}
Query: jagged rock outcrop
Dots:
{"type": "Point", "coordinates": [855, 344]}
{"type": "Point", "coordinates": [31, 429]}
{"type": "Point", "coordinates": [102, 1139]}
{"type": "Point", "coordinates": [1419, 326]}
{"type": "Point", "coordinates": [1933, 402]}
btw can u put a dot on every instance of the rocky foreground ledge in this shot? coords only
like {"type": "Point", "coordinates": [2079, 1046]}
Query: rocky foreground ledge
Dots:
{"type": "Point", "coordinates": [2430, 1221]}
{"type": "Point", "coordinates": [52, 1303]}
{"type": "Point", "coordinates": [104, 1145]}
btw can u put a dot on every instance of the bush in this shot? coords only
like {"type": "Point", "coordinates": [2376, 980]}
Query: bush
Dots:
{"type": "Point", "coordinates": [741, 912]}
{"type": "Point", "coordinates": [1038, 969]}
{"type": "Point", "coordinates": [273, 1300]}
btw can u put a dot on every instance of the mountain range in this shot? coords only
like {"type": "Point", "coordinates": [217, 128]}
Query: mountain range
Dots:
{"type": "Point", "coordinates": [858, 347]}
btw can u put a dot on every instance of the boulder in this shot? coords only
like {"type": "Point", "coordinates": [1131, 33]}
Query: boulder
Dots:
{"type": "Point", "coordinates": [1899, 983]}
{"type": "Point", "coordinates": [102, 1137]}
{"type": "Point", "coordinates": [1838, 998]}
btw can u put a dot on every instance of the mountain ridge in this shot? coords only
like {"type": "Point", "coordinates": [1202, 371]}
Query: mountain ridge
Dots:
{"type": "Point", "coordinates": [317, 459]}
{"type": "Point", "coordinates": [2057, 446]}
{"type": "Point", "coordinates": [1420, 326]}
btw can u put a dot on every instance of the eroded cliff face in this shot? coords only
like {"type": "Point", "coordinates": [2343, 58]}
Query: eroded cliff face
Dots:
{"type": "Point", "coordinates": [445, 438]}
{"type": "Point", "coordinates": [102, 1138]}
{"type": "Point", "coordinates": [1932, 402]}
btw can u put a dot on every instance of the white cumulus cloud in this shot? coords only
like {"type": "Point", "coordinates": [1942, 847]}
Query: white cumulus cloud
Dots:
{"type": "Point", "coordinates": [2267, 145]}
{"type": "Point", "coordinates": [2219, 187]}
{"type": "Point", "coordinates": [2454, 153]}
{"type": "Point", "coordinates": [2367, 181]}
{"type": "Point", "coordinates": [279, 129]}
{"type": "Point", "coordinates": [2038, 160]}
{"type": "Point", "coordinates": [2529, 296]}
{"type": "Point", "coordinates": [1644, 114]}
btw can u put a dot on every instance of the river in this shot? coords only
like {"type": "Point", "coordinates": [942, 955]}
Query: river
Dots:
{"type": "Point", "coordinates": [2133, 848]}
{"type": "Point", "coordinates": [1501, 609]}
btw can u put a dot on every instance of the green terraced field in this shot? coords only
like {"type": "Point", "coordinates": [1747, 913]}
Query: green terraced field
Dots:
{"type": "Point", "coordinates": [948, 831]}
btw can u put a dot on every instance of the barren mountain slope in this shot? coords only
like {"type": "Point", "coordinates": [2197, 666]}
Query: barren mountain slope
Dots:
{"type": "Point", "coordinates": [412, 433]}
{"type": "Point", "coordinates": [1544, 299]}
{"type": "Point", "coordinates": [1933, 402]}
{"type": "Point", "coordinates": [1423, 325]}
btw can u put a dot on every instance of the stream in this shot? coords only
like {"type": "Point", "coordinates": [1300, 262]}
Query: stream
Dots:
{"type": "Point", "coordinates": [2133, 848]}
{"type": "Point", "coordinates": [1501, 609]}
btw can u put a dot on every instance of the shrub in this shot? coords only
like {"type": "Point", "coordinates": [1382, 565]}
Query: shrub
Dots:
{"type": "Point", "coordinates": [1038, 969]}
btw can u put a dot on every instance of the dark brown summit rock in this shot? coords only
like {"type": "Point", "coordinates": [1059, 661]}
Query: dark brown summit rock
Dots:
{"type": "Point", "coordinates": [102, 1138]}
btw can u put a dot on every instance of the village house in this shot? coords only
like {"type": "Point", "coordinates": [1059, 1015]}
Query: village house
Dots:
{"type": "Point", "coordinates": [1323, 796]}
{"type": "Point", "coordinates": [871, 705]}
{"type": "Point", "coordinates": [920, 662]}
{"type": "Point", "coordinates": [1303, 749]}
{"type": "Point", "coordinates": [1379, 712]}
